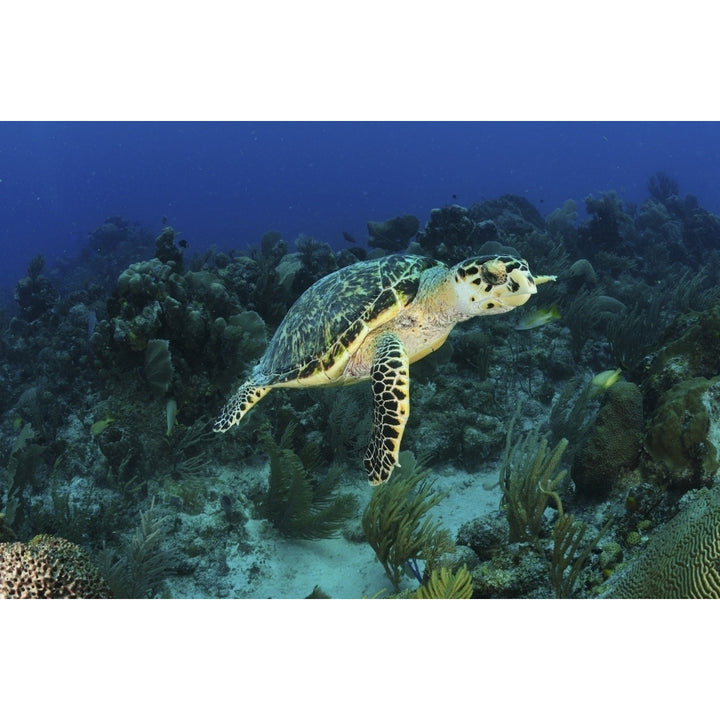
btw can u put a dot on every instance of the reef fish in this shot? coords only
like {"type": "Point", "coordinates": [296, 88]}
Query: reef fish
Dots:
{"type": "Point", "coordinates": [539, 317]}
{"type": "Point", "coordinates": [101, 425]}
{"type": "Point", "coordinates": [602, 381]}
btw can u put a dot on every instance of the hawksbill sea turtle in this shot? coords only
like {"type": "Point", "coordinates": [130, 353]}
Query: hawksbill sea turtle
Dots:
{"type": "Point", "coordinates": [369, 321]}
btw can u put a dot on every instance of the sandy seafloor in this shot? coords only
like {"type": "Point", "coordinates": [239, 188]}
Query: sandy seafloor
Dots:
{"type": "Point", "coordinates": [260, 563]}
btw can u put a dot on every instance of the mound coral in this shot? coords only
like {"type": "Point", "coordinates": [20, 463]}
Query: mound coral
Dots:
{"type": "Point", "coordinates": [48, 567]}
{"type": "Point", "coordinates": [683, 432]}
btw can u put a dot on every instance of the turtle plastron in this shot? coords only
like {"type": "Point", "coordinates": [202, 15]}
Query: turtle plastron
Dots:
{"type": "Point", "coordinates": [390, 378]}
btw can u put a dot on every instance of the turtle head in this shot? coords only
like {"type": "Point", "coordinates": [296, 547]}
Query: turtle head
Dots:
{"type": "Point", "coordinates": [492, 284]}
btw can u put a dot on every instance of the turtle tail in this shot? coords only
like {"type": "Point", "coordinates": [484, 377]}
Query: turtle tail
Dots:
{"type": "Point", "coordinates": [247, 395]}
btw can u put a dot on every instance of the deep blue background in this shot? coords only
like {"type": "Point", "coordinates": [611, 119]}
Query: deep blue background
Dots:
{"type": "Point", "coordinates": [228, 183]}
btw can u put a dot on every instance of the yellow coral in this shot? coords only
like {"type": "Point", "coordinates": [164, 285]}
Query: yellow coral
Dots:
{"type": "Point", "coordinates": [48, 567]}
{"type": "Point", "coordinates": [443, 584]}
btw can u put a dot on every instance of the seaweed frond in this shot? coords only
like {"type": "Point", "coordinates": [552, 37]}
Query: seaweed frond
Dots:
{"type": "Point", "coordinates": [396, 525]}
{"type": "Point", "coordinates": [528, 480]}
{"type": "Point", "coordinates": [299, 502]}
{"type": "Point", "coordinates": [443, 584]}
{"type": "Point", "coordinates": [568, 534]}
{"type": "Point", "coordinates": [144, 563]}
{"type": "Point", "coordinates": [573, 413]}
{"type": "Point", "coordinates": [637, 331]}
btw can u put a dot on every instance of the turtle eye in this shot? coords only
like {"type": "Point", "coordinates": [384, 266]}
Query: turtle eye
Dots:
{"type": "Point", "coordinates": [493, 272]}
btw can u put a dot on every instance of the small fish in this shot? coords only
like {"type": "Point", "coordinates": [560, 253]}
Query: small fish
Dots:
{"type": "Point", "coordinates": [348, 237]}
{"type": "Point", "coordinates": [171, 410]}
{"type": "Point", "coordinates": [101, 425]}
{"type": "Point", "coordinates": [92, 322]}
{"type": "Point", "coordinates": [602, 381]}
{"type": "Point", "coordinates": [183, 243]}
{"type": "Point", "coordinates": [538, 318]}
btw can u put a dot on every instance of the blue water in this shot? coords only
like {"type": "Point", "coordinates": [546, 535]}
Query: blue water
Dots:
{"type": "Point", "coordinates": [226, 184]}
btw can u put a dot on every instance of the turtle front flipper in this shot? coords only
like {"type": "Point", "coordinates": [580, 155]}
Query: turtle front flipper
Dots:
{"type": "Point", "coordinates": [390, 379]}
{"type": "Point", "coordinates": [246, 396]}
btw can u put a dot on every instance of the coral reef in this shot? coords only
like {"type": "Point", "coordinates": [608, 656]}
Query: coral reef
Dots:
{"type": "Point", "coordinates": [167, 251]}
{"type": "Point", "coordinates": [610, 228]}
{"type": "Point", "coordinates": [112, 366]}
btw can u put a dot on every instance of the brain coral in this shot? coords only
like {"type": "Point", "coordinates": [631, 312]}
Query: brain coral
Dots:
{"type": "Point", "coordinates": [48, 567]}
{"type": "Point", "coordinates": [682, 560]}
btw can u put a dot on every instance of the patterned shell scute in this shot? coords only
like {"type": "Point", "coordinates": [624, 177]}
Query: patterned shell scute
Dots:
{"type": "Point", "coordinates": [337, 312]}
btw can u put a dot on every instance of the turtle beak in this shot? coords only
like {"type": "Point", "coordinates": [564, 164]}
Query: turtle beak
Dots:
{"type": "Point", "coordinates": [517, 289]}
{"type": "Point", "coordinates": [540, 279]}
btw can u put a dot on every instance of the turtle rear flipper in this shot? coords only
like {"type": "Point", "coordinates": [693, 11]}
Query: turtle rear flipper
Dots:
{"type": "Point", "coordinates": [390, 379]}
{"type": "Point", "coordinates": [247, 395]}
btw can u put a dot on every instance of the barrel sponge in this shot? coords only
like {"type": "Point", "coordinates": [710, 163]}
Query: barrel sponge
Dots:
{"type": "Point", "coordinates": [682, 560]}
{"type": "Point", "coordinates": [613, 444]}
{"type": "Point", "coordinates": [48, 567]}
